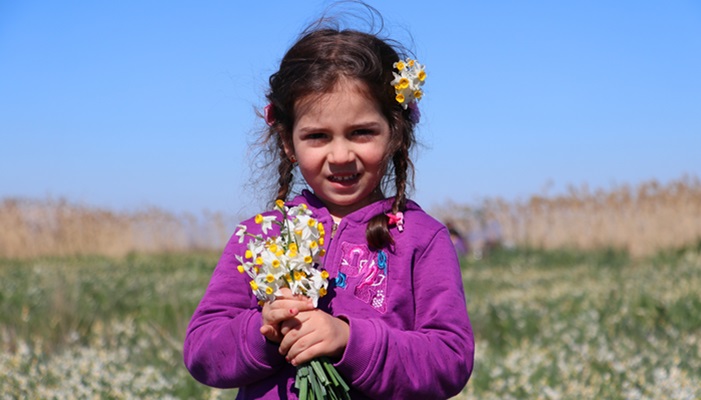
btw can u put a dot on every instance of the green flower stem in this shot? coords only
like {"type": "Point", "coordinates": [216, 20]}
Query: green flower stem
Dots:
{"type": "Point", "coordinates": [319, 379]}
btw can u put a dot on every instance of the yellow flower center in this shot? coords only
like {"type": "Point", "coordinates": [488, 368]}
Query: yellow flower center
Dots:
{"type": "Point", "coordinates": [254, 285]}
{"type": "Point", "coordinates": [259, 219]}
{"type": "Point", "coordinates": [241, 269]}
{"type": "Point", "coordinates": [268, 290]}
{"type": "Point", "coordinates": [400, 65]}
{"type": "Point", "coordinates": [324, 275]}
{"type": "Point", "coordinates": [269, 278]}
{"type": "Point", "coordinates": [422, 76]}
{"type": "Point", "coordinates": [248, 254]}
{"type": "Point", "coordinates": [400, 98]}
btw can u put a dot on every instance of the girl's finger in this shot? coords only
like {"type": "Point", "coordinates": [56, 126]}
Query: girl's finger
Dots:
{"type": "Point", "coordinates": [294, 331]}
{"type": "Point", "coordinates": [299, 304]}
{"type": "Point", "coordinates": [271, 333]}
{"type": "Point", "coordinates": [302, 352]}
{"type": "Point", "coordinates": [292, 323]}
{"type": "Point", "coordinates": [275, 317]}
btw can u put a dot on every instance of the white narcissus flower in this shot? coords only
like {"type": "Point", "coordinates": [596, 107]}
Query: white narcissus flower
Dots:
{"type": "Point", "coordinates": [407, 83]}
{"type": "Point", "coordinates": [289, 260]}
{"type": "Point", "coordinates": [240, 232]}
{"type": "Point", "coordinates": [266, 222]}
{"type": "Point", "coordinates": [255, 247]}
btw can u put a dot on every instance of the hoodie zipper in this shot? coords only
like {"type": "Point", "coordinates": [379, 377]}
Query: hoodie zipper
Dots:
{"type": "Point", "coordinates": [328, 255]}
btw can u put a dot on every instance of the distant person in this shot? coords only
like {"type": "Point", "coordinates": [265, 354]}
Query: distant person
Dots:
{"type": "Point", "coordinates": [462, 246]}
{"type": "Point", "coordinates": [492, 236]}
{"type": "Point", "coordinates": [342, 113]}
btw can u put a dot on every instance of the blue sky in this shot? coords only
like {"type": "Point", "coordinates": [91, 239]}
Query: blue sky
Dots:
{"type": "Point", "coordinates": [131, 104]}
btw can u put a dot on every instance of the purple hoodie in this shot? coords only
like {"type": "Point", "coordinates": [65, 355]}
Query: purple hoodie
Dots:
{"type": "Point", "coordinates": [410, 335]}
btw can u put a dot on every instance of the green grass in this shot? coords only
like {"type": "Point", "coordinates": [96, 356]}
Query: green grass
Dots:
{"type": "Point", "coordinates": [562, 324]}
{"type": "Point", "coordinates": [570, 324]}
{"type": "Point", "coordinates": [99, 326]}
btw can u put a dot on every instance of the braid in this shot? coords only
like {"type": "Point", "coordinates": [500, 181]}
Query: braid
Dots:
{"type": "Point", "coordinates": [377, 232]}
{"type": "Point", "coordinates": [285, 176]}
{"type": "Point", "coordinates": [401, 163]}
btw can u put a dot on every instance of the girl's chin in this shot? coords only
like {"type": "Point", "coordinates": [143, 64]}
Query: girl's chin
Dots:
{"type": "Point", "coordinates": [345, 204]}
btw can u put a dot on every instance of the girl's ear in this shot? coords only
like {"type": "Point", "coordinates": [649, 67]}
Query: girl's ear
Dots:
{"type": "Point", "coordinates": [287, 146]}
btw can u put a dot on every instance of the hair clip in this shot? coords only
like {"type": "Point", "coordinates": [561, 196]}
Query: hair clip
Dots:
{"type": "Point", "coordinates": [407, 83]}
{"type": "Point", "coordinates": [396, 219]}
{"type": "Point", "coordinates": [414, 113]}
{"type": "Point", "coordinates": [269, 114]}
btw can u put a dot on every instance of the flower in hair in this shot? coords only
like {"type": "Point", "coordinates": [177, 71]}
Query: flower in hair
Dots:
{"type": "Point", "coordinates": [408, 81]}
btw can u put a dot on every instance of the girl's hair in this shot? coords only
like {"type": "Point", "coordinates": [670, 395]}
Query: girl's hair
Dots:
{"type": "Point", "coordinates": [313, 66]}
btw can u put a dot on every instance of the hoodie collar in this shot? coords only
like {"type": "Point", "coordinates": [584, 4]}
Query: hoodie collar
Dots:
{"type": "Point", "coordinates": [361, 216]}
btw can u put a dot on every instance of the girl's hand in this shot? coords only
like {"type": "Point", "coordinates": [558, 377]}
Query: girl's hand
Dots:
{"type": "Point", "coordinates": [282, 309]}
{"type": "Point", "coordinates": [312, 334]}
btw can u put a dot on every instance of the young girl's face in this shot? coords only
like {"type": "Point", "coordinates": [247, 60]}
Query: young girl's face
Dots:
{"type": "Point", "coordinates": [339, 140]}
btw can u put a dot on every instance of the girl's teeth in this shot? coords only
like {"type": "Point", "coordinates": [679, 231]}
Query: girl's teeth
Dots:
{"type": "Point", "coordinates": [343, 178]}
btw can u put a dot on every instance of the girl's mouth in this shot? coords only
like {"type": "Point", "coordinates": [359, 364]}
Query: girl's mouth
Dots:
{"type": "Point", "coordinates": [344, 179]}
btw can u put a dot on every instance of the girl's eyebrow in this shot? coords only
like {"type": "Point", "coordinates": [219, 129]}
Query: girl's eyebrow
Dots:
{"type": "Point", "coordinates": [360, 125]}
{"type": "Point", "coordinates": [365, 125]}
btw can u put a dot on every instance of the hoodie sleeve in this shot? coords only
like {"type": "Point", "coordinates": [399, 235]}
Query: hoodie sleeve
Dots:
{"type": "Point", "coordinates": [432, 361]}
{"type": "Point", "coordinates": [223, 345]}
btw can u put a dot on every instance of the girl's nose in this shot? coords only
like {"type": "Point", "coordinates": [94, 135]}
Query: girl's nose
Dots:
{"type": "Point", "coordinates": [341, 153]}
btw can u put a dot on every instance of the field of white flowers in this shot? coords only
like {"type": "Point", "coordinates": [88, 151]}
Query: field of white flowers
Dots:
{"type": "Point", "coordinates": [95, 327]}
{"type": "Point", "coordinates": [548, 325]}
{"type": "Point", "coordinates": [597, 326]}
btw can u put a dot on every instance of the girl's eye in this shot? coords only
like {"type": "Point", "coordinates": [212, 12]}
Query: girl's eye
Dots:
{"type": "Point", "coordinates": [363, 135]}
{"type": "Point", "coordinates": [315, 136]}
{"type": "Point", "coordinates": [362, 132]}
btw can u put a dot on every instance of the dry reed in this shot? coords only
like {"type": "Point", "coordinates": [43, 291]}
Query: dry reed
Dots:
{"type": "Point", "coordinates": [641, 220]}
{"type": "Point", "coordinates": [33, 228]}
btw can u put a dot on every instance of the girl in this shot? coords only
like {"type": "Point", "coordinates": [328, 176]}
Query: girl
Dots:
{"type": "Point", "coordinates": [394, 321]}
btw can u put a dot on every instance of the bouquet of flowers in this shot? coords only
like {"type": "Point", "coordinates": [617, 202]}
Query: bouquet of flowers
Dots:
{"type": "Point", "coordinates": [292, 260]}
